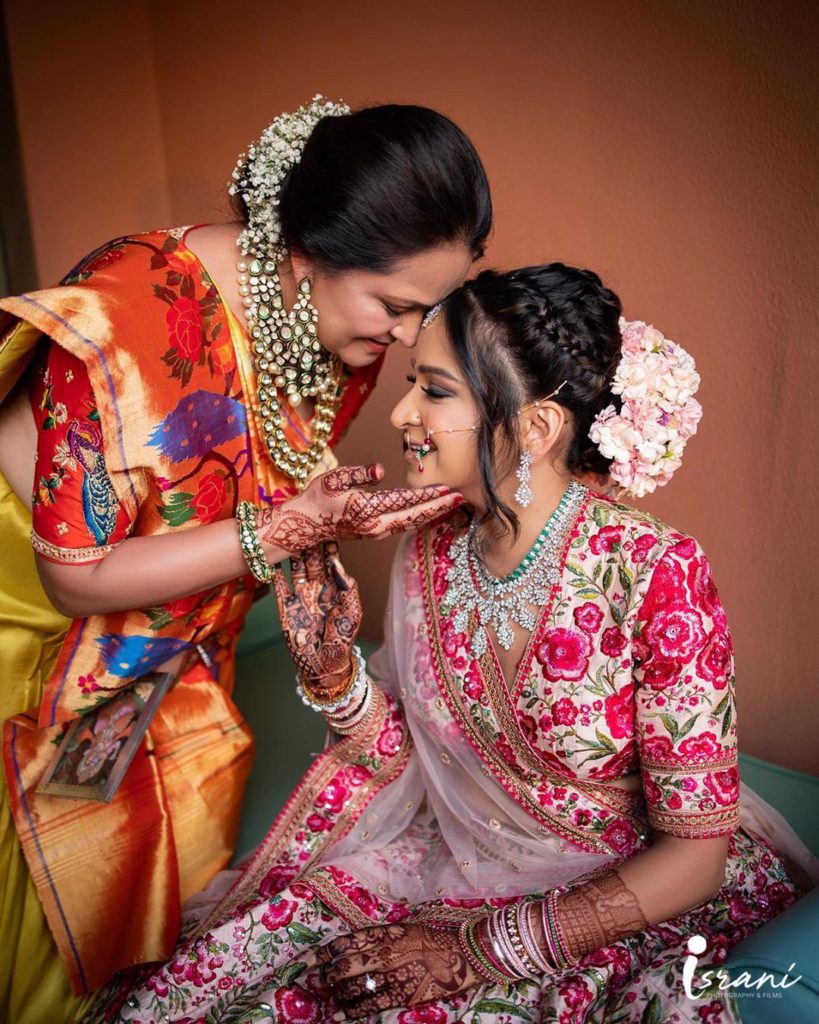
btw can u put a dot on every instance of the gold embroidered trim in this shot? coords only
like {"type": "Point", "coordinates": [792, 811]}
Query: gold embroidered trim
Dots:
{"type": "Point", "coordinates": [291, 819]}
{"type": "Point", "coordinates": [69, 556]}
{"type": "Point", "coordinates": [695, 824]}
{"type": "Point", "coordinates": [329, 893]}
{"type": "Point", "coordinates": [626, 804]}
{"type": "Point", "coordinates": [681, 767]}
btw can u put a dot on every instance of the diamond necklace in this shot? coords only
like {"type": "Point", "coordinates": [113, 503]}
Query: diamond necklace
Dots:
{"type": "Point", "coordinates": [288, 356]}
{"type": "Point", "coordinates": [500, 602]}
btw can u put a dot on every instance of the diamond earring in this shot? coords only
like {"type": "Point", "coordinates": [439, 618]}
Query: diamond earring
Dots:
{"type": "Point", "coordinates": [524, 495]}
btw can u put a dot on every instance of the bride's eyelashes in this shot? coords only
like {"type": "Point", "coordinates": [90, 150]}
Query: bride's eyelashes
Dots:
{"type": "Point", "coordinates": [431, 392]}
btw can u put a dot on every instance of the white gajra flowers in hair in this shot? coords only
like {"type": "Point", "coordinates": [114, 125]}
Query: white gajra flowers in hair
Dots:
{"type": "Point", "coordinates": [259, 173]}
{"type": "Point", "coordinates": [657, 381]}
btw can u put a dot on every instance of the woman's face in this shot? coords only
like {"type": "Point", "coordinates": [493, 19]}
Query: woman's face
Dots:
{"type": "Point", "coordinates": [363, 312]}
{"type": "Point", "coordinates": [440, 401]}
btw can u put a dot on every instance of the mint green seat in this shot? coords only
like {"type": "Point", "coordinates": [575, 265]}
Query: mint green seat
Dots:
{"type": "Point", "coordinates": [784, 949]}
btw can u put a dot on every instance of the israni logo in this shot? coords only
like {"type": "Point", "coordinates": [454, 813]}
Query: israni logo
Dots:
{"type": "Point", "coordinates": [703, 986]}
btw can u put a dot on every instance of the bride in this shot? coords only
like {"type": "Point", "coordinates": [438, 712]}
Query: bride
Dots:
{"type": "Point", "coordinates": [533, 800]}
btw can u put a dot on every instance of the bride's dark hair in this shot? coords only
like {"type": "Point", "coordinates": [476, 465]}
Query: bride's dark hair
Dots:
{"type": "Point", "coordinates": [517, 337]}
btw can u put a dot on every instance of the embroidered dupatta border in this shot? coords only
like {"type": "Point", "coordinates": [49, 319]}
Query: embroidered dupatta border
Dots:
{"type": "Point", "coordinates": [491, 760]}
{"type": "Point", "coordinates": [291, 818]}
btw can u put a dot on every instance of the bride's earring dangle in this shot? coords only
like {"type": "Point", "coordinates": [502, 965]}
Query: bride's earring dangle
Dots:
{"type": "Point", "coordinates": [523, 495]}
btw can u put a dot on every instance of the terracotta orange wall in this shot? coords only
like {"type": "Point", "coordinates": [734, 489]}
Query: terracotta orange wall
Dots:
{"type": "Point", "coordinates": [671, 147]}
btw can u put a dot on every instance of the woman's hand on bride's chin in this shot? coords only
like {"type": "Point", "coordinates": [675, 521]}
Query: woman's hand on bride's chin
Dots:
{"type": "Point", "coordinates": [395, 965]}
{"type": "Point", "coordinates": [335, 506]}
{"type": "Point", "coordinates": [321, 616]}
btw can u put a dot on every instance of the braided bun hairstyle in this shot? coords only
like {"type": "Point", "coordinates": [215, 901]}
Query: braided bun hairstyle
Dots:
{"type": "Point", "coordinates": [517, 337]}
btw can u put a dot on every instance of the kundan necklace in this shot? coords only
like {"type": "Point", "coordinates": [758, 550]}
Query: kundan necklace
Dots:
{"type": "Point", "coordinates": [482, 599]}
{"type": "Point", "coordinates": [288, 357]}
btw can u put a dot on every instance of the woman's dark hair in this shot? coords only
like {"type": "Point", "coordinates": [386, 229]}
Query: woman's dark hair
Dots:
{"type": "Point", "coordinates": [381, 184]}
{"type": "Point", "coordinates": [517, 337]}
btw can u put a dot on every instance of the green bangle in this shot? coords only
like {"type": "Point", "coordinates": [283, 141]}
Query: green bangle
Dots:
{"type": "Point", "coordinates": [251, 545]}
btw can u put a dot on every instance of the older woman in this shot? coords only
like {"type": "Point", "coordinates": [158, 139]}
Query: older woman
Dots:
{"type": "Point", "coordinates": [169, 379]}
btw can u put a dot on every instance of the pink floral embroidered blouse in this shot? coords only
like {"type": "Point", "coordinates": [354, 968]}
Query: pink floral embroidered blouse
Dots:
{"type": "Point", "coordinates": [630, 668]}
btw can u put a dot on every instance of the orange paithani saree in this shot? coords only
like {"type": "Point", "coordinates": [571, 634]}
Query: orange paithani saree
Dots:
{"type": "Point", "coordinates": [166, 441]}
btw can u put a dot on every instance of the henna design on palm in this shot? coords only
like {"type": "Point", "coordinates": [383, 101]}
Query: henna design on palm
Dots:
{"type": "Point", "coordinates": [322, 615]}
{"type": "Point", "coordinates": [380, 968]}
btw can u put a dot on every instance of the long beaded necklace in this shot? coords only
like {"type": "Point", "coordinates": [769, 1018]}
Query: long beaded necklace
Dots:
{"type": "Point", "coordinates": [288, 357]}
{"type": "Point", "coordinates": [499, 602]}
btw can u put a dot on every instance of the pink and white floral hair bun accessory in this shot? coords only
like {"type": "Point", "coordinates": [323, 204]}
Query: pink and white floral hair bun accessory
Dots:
{"type": "Point", "coordinates": [657, 380]}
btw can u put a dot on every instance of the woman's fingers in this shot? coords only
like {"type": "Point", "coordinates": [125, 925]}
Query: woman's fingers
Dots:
{"type": "Point", "coordinates": [335, 569]}
{"type": "Point", "coordinates": [298, 570]}
{"type": "Point", "coordinates": [314, 563]}
{"type": "Point", "coordinates": [345, 477]}
{"type": "Point", "coordinates": [418, 516]}
{"type": "Point", "coordinates": [281, 588]}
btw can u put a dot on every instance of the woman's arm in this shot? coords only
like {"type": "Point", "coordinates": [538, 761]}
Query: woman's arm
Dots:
{"type": "Point", "coordinates": [145, 571]}
{"type": "Point", "coordinates": [88, 560]}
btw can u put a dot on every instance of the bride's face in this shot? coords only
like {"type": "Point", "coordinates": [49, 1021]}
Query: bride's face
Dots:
{"type": "Point", "coordinates": [439, 401]}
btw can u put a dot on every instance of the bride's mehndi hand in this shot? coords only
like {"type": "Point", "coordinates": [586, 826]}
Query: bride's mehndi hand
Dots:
{"type": "Point", "coordinates": [335, 507]}
{"type": "Point", "coordinates": [321, 616]}
{"type": "Point", "coordinates": [396, 965]}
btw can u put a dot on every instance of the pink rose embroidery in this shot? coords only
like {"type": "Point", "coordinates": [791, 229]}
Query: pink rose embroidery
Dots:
{"type": "Point", "coordinates": [699, 748]}
{"type": "Point", "coordinates": [333, 796]}
{"type": "Point", "coordinates": [613, 643]}
{"type": "Point", "coordinates": [685, 548]}
{"type": "Point", "coordinates": [429, 1014]}
{"type": "Point", "coordinates": [620, 836]}
{"type": "Point", "coordinates": [275, 880]}
{"type": "Point", "coordinates": [564, 653]}
{"type": "Point", "coordinates": [661, 673]}
{"type": "Point", "coordinates": [724, 785]}
{"type": "Point", "coordinates": [658, 749]}
{"type": "Point", "coordinates": [667, 587]}
{"type": "Point", "coordinates": [608, 539]}
{"type": "Point", "coordinates": [676, 632]}
{"type": "Point", "coordinates": [642, 546]}
{"type": "Point", "coordinates": [279, 914]}
{"type": "Point", "coordinates": [620, 713]}
{"type": "Point", "coordinates": [715, 661]}
{"type": "Point", "coordinates": [564, 712]}
{"type": "Point", "coordinates": [588, 617]}
{"type": "Point", "coordinates": [390, 740]}
{"type": "Point", "coordinates": [296, 1005]}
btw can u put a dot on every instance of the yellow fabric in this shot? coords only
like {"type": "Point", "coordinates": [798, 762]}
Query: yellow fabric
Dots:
{"type": "Point", "coordinates": [31, 632]}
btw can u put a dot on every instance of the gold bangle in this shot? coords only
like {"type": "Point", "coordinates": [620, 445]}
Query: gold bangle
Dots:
{"type": "Point", "coordinates": [330, 696]}
{"type": "Point", "coordinates": [252, 548]}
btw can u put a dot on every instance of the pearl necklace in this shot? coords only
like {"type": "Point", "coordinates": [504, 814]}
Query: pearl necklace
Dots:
{"type": "Point", "coordinates": [288, 356]}
{"type": "Point", "coordinates": [478, 596]}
